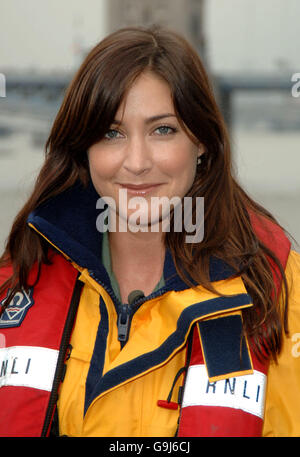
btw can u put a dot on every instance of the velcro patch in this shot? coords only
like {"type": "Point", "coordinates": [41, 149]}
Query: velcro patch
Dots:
{"type": "Point", "coordinates": [15, 312]}
{"type": "Point", "coordinates": [240, 392]}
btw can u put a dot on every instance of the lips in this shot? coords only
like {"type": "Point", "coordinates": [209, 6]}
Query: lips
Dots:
{"type": "Point", "coordinates": [139, 189]}
{"type": "Point", "coordinates": [139, 186]}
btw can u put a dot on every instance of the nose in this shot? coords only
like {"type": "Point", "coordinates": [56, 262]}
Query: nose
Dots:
{"type": "Point", "coordinates": [138, 156]}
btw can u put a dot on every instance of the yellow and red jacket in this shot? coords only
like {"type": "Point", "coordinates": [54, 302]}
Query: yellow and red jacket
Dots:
{"type": "Point", "coordinates": [182, 368]}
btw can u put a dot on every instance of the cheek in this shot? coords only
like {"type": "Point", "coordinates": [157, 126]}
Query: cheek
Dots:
{"type": "Point", "coordinates": [183, 169]}
{"type": "Point", "coordinates": [101, 172]}
{"type": "Point", "coordinates": [101, 166]}
{"type": "Point", "coordinates": [181, 163]}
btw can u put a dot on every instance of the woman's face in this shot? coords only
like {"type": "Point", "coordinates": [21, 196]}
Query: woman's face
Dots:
{"type": "Point", "coordinates": [145, 152]}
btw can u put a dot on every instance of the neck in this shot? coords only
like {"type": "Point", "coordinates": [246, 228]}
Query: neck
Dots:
{"type": "Point", "coordinates": [137, 261]}
{"type": "Point", "coordinates": [140, 245]}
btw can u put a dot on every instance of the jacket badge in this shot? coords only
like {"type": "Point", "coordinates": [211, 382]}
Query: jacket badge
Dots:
{"type": "Point", "coordinates": [17, 308]}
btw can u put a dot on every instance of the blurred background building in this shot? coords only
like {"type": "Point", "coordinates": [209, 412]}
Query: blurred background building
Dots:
{"type": "Point", "coordinates": [185, 16]}
{"type": "Point", "coordinates": [248, 47]}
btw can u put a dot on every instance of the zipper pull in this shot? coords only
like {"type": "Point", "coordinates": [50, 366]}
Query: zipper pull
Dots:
{"type": "Point", "coordinates": [123, 323]}
{"type": "Point", "coordinates": [124, 315]}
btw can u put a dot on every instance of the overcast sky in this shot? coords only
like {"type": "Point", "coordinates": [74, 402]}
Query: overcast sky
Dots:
{"type": "Point", "coordinates": [255, 35]}
{"type": "Point", "coordinates": [258, 35]}
{"type": "Point", "coordinates": [47, 34]}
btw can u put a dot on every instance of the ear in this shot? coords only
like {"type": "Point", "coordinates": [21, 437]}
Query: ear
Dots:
{"type": "Point", "coordinates": [201, 150]}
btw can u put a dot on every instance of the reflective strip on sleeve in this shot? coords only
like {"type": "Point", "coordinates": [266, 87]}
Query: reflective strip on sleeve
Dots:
{"type": "Point", "coordinates": [241, 392]}
{"type": "Point", "coordinates": [28, 366]}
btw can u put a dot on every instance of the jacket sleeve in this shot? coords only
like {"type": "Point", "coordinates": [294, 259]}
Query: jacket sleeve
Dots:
{"type": "Point", "coordinates": [282, 412]}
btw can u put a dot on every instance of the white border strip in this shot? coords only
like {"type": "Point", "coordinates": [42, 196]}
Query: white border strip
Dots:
{"type": "Point", "coordinates": [29, 366]}
{"type": "Point", "coordinates": [240, 392]}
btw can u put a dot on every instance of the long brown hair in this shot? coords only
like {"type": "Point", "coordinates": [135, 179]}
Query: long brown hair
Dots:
{"type": "Point", "coordinates": [85, 115]}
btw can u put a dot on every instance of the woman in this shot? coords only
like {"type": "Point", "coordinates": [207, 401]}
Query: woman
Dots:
{"type": "Point", "coordinates": [141, 331]}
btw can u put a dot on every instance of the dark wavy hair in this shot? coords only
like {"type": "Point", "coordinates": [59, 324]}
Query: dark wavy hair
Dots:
{"type": "Point", "coordinates": [86, 113]}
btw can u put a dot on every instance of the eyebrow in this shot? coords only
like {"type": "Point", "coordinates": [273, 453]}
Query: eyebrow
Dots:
{"type": "Point", "coordinates": [151, 119]}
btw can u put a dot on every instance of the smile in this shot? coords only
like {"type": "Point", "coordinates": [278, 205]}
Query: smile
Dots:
{"type": "Point", "coordinates": [139, 189]}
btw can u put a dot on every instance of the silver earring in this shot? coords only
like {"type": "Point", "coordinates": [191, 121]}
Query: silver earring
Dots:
{"type": "Point", "coordinates": [199, 160]}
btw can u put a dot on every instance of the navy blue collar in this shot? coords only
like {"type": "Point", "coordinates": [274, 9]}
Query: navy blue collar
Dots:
{"type": "Point", "coordinates": [68, 221]}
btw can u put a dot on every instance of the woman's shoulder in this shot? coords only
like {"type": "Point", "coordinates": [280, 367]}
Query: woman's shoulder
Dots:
{"type": "Point", "coordinates": [272, 235]}
{"type": "Point", "coordinates": [283, 402]}
{"type": "Point", "coordinates": [268, 230]}
{"type": "Point", "coordinates": [294, 258]}
{"type": "Point", "coordinates": [56, 269]}
{"type": "Point", "coordinates": [292, 272]}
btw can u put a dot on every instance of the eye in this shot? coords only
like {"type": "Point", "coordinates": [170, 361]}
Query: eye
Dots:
{"type": "Point", "coordinates": [112, 134]}
{"type": "Point", "coordinates": [165, 130]}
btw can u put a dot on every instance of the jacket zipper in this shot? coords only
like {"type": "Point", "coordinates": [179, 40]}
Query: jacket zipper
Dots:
{"type": "Point", "coordinates": [125, 311]}
{"type": "Point", "coordinates": [124, 321]}
{"type": "Point", "coordinates": [64, 344]}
